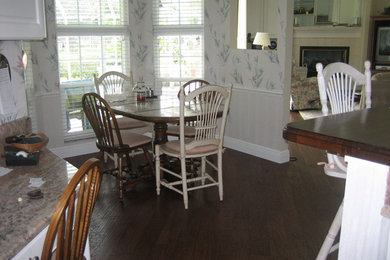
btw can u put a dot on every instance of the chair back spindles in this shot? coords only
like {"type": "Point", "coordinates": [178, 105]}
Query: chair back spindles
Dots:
{"type": "Point", "coordinates": [102, 120]}
{"type": "Point", "coordinates": [187, 88]}
{"type": "Point", "coordinates": [208, 103]}
{"type": "Point", "coordinates": [338, 83]}
{"type": "Point", "coordinates": [192, 85]}
{"type": "Point", "coordinates": [341, 91]}
{"type": "Point", "coordinates": [112, 83]}
{"type": "Point", "coordinates": [70, 222]}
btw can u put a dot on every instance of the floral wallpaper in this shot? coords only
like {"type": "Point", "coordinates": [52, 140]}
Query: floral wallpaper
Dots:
{"type": "Point", "coordinates": [141, 41]}
{"type": "Point", "coordinates": [250, 69]}
{"type": "Point", "coordinates": [45, 57]}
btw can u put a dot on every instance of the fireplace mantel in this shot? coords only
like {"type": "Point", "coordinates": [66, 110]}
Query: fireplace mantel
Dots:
{"type": "Point", "coordinates": [327, 31]}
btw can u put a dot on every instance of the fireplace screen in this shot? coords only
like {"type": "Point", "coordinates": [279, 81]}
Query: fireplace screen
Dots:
{"type": "Point", "coordinates": [310, 56]}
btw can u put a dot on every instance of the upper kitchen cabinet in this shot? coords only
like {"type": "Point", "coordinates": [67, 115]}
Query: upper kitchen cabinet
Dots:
{"type": "Point", "coordinates": [22, 20]}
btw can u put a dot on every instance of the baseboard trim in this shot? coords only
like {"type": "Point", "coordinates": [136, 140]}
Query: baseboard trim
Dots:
{"type": "Point", "coordinates": [232, 143]}
{"type": "Point", "coordinates": [257, 150]}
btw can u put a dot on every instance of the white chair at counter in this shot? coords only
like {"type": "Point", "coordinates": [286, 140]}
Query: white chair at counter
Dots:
{"type": "Point", "coordinates": [338, 84]}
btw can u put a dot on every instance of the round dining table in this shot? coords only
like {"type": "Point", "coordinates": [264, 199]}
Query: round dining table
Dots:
{"type": "Point", "coordinates": [160, 110]}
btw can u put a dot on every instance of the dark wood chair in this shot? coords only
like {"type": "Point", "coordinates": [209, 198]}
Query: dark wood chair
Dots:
{"type": "Point", "coordinates": [112, 140]}
{"type": "Point", "coordinates": [189, 130]}
{"type": "Point", "coordinates": [67, 234]}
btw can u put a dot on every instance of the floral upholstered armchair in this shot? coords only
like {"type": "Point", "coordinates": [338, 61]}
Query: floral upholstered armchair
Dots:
{"type": "Point", "coordinates": [304, 91]}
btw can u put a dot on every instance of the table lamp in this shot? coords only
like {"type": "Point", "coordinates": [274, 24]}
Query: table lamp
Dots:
{"type": "Point", "coordinates": [262, 38]}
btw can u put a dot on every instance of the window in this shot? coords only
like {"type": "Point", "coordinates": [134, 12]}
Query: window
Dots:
{"type": "Point", "coordinates": [178, 42]}
{"type": "Point", "coordinates": [242, 40]}
{"type": "Point", "coordinates": [92, 38]}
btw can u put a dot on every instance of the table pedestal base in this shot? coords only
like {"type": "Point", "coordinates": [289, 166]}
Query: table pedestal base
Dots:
{"type": "Point", "coordinates": [160, 132]}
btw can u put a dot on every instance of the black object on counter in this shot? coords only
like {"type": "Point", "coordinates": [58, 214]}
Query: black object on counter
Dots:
{"type": "Point", "coordinates": [19, 157]}
{"type": "Point", "coordinates": [35, 194]}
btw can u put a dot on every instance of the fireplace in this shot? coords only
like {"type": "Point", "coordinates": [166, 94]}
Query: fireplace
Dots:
{"type": "Point", "coordinates": [311, 55]}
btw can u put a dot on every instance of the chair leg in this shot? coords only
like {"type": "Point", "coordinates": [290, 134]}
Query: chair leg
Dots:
{"type": "Point", "coordinates": [120, 177]}
{"type": "Point", "coordinates": [158, 171]}
{"type": "Point", "coordinates": [148, 158]}
{"type": "Point", "coordinates": [203, 169]}
{"type": "Point", "coordinates": [105, 157]}
{"type": "Point", "coordinates": [128, 161]}
{"type": "Point", "coordinates": [184, 182]}
{"type": "Point", "coordinates": [115, 160]}
{"type": "Point", "coordinates": [101, 155]}
{"type": "Point", "coordinates": [113, 157]}
{"type": "Point", "coordinates": [327, 247]}
{"type": "Point", "coordinates": [220, 180]}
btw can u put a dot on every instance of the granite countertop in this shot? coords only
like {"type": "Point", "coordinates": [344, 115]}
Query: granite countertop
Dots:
{"type": "Point", "coordinates": [21, 218]}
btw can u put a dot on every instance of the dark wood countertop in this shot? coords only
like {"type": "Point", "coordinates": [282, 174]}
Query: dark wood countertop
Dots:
{"type": "Point", "coordinates": [363, 134]}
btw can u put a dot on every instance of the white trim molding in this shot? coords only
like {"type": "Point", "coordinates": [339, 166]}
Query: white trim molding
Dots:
{"type": "Point", "coordinates": [257, 150]}
{"type": "Point", "coordinates": [232, 143]}
{"type": "Point", "coordinates": [327, 32]}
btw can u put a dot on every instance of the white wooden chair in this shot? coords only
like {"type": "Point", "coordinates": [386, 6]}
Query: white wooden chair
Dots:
{"type": "Point", "coordinates": [207, 103]}
{"type": "Point", "coordinates": [114, 86]}
{"type": "Point", "coordinates": [189, 131]}
{"type": "Point", "coordinates": [338, 83]}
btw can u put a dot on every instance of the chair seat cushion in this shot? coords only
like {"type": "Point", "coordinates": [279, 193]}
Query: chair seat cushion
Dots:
{"type": "Point", "coordinates": [132, 139]}
{"type": "Point", "coordinates": [174, 130]}
{"type": "Point", "coordinates": [129, 123]}
{"type": "Point", "coordinates": [174, 147]}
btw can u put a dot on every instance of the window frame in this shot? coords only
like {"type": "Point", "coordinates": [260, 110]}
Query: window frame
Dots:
{"type": "Point", "coordinates": [175, 30]}
{"type": "Point", "coordinates": [80, 30]}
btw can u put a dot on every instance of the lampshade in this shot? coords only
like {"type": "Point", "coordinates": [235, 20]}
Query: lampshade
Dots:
{"type": "Point", "coordinates": [262, 38]}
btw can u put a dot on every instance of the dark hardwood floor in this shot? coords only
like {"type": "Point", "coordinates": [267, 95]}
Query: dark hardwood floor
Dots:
{"type": "Point", "coordinates": [270, 211]}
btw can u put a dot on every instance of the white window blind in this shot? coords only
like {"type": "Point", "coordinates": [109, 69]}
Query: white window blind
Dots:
{"type": "Point", "coordinates": [178, 42]}
{"type": "Point", "coordinates": [92, 38]}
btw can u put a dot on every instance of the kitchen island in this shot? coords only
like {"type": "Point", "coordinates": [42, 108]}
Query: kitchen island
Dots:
{"type": "Point", "coordinates": [364, 138]}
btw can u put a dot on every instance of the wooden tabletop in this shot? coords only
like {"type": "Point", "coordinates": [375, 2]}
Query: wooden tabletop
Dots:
{"type": "Point", "coordinates": [160, 109]}
{"type": "Point", "coordinates": [363, 134]}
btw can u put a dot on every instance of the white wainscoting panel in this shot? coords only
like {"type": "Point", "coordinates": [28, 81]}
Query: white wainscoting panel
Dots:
{"type": "Point", "coordinates": [256, 118]}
